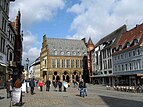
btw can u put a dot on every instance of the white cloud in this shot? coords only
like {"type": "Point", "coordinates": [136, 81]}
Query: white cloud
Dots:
{"type": "Point", "coordinates": [35, 10]}
{"type": "Point", "coordinates": [30, 50]}
{"type": "Point", "coordinates": [97, 18]}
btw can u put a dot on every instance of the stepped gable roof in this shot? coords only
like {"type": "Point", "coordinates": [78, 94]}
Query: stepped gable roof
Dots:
{"type": "Point", "coordinates": [130, 35]}
{"type": "Point", "coordinates": [112, 35]}
{"type": "Point", "coordinates": [76, 47]}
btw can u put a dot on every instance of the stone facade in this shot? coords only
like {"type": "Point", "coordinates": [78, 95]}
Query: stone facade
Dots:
{"type": "Point", "coordinates": [62, 59]}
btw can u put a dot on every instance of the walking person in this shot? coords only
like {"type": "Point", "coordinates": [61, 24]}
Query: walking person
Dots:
{"type": "Point", "coordinates": [8, 88]}
{"type": "Point", "coordinates": [18, 84]}
{"type": "Point", "coordinates": [82, 88]}
{"type": "Point", "coordinates": [32, 85]}
{"type": "Point", "coordinates": [48, 84]}
{"type": "Point", "coordinates": [41, 84]}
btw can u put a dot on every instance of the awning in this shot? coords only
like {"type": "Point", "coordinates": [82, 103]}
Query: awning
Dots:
{"type": "Point", "coordinates": [2, 64]}
{"type": "Point", "coordinates": [96, 76]}
{"type": "Point", "coordinates": [135, 72]}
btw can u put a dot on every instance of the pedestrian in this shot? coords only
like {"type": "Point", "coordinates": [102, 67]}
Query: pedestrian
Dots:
{"type": "Point", "coordinates": [18, 84]}
{"type": "Point", "coordinates": [8, 88]}
{"type": "Point", "coordinates": [41, 84]}
{"type": "Point", "coordinates": [55, 85]}
{"type": "Point", "coordinates": [60, 86]}
{"type": "Point", "coordinates": [32, 85]}
{"type": "Point", "coordinates": [82, 87]}
{"type": "Point", "coordinates": [48, 84]}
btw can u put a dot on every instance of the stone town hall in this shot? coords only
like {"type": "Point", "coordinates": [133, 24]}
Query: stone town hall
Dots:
{"type": "Point", "coordinates": [63, 59]}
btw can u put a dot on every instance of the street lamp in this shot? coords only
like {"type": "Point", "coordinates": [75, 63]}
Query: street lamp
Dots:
{"type": "Point", "coordinates": [27, 63]}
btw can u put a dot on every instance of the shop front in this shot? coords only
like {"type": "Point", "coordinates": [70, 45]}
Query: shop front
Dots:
{"type": "Point", "coordinates": [2, 70]}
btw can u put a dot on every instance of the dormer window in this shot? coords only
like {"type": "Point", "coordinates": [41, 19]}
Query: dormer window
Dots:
{"type": "Point", "coordinates": [120, 47]}
{"type": "Point", "coordinates": [62, 53]}
{"type": "Point", "coordinates": [128, 44]}
{"type": "Point", "coordinates": [74, 53]}
{"type": "Point", "coordinates": [135, 41]}
{"type": "Point", "coordinates": [55, 52]}
{"type": "Point", "coordinates": [68, 53]}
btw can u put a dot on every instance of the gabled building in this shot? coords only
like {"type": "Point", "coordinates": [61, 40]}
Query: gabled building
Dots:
{"type": "Point", "coordinates": [17, 71]}
{"type": "Point", "coordinates": [128, 57]}
{"type": "Point", "coordinates": [90, 48]}
{"type": "Point", "coordinates": [102, 58]}
{"type": "Point", "coordinates": [62, 59]}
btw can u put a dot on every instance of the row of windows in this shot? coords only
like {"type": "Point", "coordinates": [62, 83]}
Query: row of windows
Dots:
{"type": "Point", "coordinates": [5, 5]}
{"type": "Point", "coordinates": [68, 53]}
{"type": "Point", "coordinates": [134, 65]}
{"type": "Point", "coordinates": [11, 37]}
{"type": "Point", "coordinates": [4, 24]}
{"type": "Point", "coordinates": [107, 64]}
{"type": "Point", "coordinates": [66, 63]}
{"type": "Point", "coordinates": [106, 53]}
{"type": "Point", "coordinates": [128, 54]}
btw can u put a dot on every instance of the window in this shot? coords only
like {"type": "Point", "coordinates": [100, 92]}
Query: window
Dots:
{"type": "Point", "coordinates": [134, 53]}
{"type": "Point", "coordinates": [68, 53]}
{"type": "Point", "coordinates": [138, 52]}
{"type": "Point", "coordinates": [126, 67]}
{"type": "Point", "coordinates": [130, 65]}
{"type": "Point", "coordinates": [62, 53]}
{"type": "Point", "coordinates": [81, 64]}
{"type": "Point", "coordinates": [121, 56]}
{"type": "Point", "coordinates": [110, 72]}
{"type": "Point", "coordinates": [119, 68]}
{"type": "Point", "coordinates": [122, 67]}
{"type": "Point", "coordinates": [129, 54]}
{"type": "Point", "coordinates": [58, 63]}
{"type": "Point", "coordinates": [53, 63]}
{"type": "Point", "coordinates": [63, 63]}
{"type": "Point", "coordinates": [105, 72]}
{"type": "Point", "coordinates": [68, 63]}
{"type": "Point", "coordinates": [72, 63]}
{"type": "Point", "coordinates": [74, 53]}
{"type": "Point", "coordinates": [77, 63]}
{"type": "Point", "coordinates": [2, 44]}
{"type": "Point", "coordinates": [55, 52]}
{"type": "Point", "coordinates": [115, 68]}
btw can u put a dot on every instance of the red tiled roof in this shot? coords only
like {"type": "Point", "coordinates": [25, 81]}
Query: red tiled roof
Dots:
{"type": "Point", "coordinates": [130, 35]}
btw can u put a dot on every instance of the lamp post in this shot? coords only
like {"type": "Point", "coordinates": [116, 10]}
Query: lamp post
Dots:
{"type": "Point", "coordinates": [27, 63]}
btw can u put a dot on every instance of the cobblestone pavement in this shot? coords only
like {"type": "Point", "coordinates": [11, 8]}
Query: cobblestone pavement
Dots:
{"type": "Point", "coordinates": [98, 96]}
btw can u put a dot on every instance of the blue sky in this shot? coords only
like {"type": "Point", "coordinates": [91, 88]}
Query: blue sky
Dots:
{"type": "Point", "coordinates": [73, 19]}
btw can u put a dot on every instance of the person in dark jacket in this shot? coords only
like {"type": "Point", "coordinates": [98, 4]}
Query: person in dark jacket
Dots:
{"type": "Point", "coordinates": [32, 85]}
{"type": "Point", "coordinates": [48, 84]}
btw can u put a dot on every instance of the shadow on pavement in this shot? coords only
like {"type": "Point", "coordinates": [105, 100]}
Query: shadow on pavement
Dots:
{"type": "Point", "coordinates": [117, 102]}
{"type": "Point", "coordinates": [1, 98]}
{"type": "Point", "coordinates": [18, 104]}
